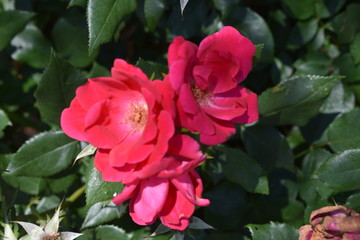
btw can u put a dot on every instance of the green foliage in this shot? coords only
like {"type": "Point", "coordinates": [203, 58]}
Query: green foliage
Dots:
{"type": "Point", "coordinates": [301, 155]}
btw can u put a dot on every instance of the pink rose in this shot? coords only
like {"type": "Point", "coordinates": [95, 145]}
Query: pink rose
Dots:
{"type": "Point", "coordinates": [173, 200]}
{"type": "Point", "coordinates": [205, 79]}
{"type": "Point", "coordinates": [125, 118]}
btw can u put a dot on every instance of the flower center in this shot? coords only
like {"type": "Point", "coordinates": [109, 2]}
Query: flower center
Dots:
{"type": "Point", "coordinates": [201, 96]}
{"type": "Point", "coordinates": [136, 116]}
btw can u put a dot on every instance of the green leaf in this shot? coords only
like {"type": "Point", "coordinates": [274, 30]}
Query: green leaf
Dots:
{"type": "Point", "coordinates": [104, 17]}
{"type": "Point", "coordinates": [313, 63]}
{"type": "Point", "coordinates": [106, 232]}
{"type": "Point", "coordinates": [4, 122]}
{"type": "Point", "coordinates": [29, 185]}
{"type": "Point", "coordinates": [56, 89]}
{"type": "Point", "coordinates": [153, 10]}
{"type": "Point", "coordinates": [98, 190]}
{"type": "Point", "coordinates": [341, 171]}
{"type": "Point", "coordinates": [11, 23]}
{"type": "Point", "coordinates": [73, 48]}
{"type": "Point", "coordinates": [253, 26]}
{"type": "Point", "coordinates": [87, 151]}
{"type": "Point", "coordinates": [79, 3]}
{"type": "Point", "coordinates": [197, 223]}
{"type": "Point", "coordinates": [303, 32]}
{"type": "Point", "coordinates": [47, 203]}
{"type": "Point", "coordinates": [259, 48]}
{"type": "Point", "coordinates": [225, 6]}
{"type": "Point", "coordinates": [353, 202]}
{"type": "Point", "coordinates": [58, 185]}
{"type": "Point", "coordinates": [270, 231]}
{"type": "Point", "coordinates": [355, 49]}
{"type": "Point", "coordinates": [348, 68]}
{"type": "Point", "coordinates": [43, 155]}
{"type": "Point", "coordinates": [299, 9]}
{"type": "Point", "coordinates": [241, 169]}
{"type": "Point", "coordinates": [7, 4]}
{"type": "Point", "coordinates": [295, 100]}
{"type": "Point", "coordinates": [99, 214]}
{"type": "Point", "coordinates": [349, 18]}
{"type": "Point", "coordinates": [344, 132]}
{"type": "Point", "coordinates": [27, 47]}
{"type": "Point", "coordinates": [98, 70]}
{"type": "Point", "coordinates": [268, 147]}
{"type": "Point", "coordinates": [263, 186]}
{"type": "Point", "coordinates": [327, 8]}
{"type": "Point", "coordinates": [152, 69]}
{"type": "Point", "coordinates": [341, 99]}
{"type": "Point", "coordinates": [313, 160]}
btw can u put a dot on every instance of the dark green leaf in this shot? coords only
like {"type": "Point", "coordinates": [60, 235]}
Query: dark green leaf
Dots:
{"type": "Point", "coordinates": [153, 10]}
{"type": "Point", "coordinates": [278, 231]}
{"type": "Point", "coordinates": [296, 100]}
{"type": "Point", "coordinates": [105, 232]}
{"type": "Point", "coordinates": [353, 202]}
{"type": "Point", "coordinates": [344, 132]}
{"type": "Point", "coordinates": [259, 48]}
{"type": "Point", "coordinates": [225, 6]}
{"type": "Point", "coordinates": [161, 229]}
{"type": "Point", "coordinates": [4, 122]}
{"type": "Point", "coordinates": [179, 235]}
{"type": "Point", "coordinates": [355, 49]}
{"type": "Point", "coordinates": [57, 88]}
{"type": "Point", "coordinates": [62, 184]}
{"type": "Point", "coordinates": [98, 190]}
{"type": "Point", "coordinates": [326, 8]}
{"type": "Point", "coordinates": [100, 213]}
{"type": "Point", "coordinates": [313, 63]}
{"type": "Point", "coordinates": [263, 186]}
{"type": "Point", "coordinates": [241, 169]}
{"type": "Point", "coordinates": [44, 155]}
{"type": "Point", "coordinates": [104, 17]}
{"type": "Point", "coordinates": [98, 70]}
{"type": "Point", "coordinates": [253, 26]}
{"type": "Point", "coordinates": [341, 171]}
{"type": "Point", "coordinates": [341, 99]}
{"type": "Point", "coordinates": [73, 48]}
{"type": "Point", "coordinates": [11, 23]}
{"type": "Point", "coordinates": [303, 32]}
{"type": "Point", "coordinates": [27, 47]}
{"type": "Point", "coordinates": [30, 185]}
{"type": "Point", "coordinates": [152, 69]}
{"type": "Point", "coordinates": [79, 3]}
{"type": "Point", "coordinates": [345, 31]}
{"type": "Point", "coordinates": [348, 68]}
{"type": "Point", "coordinates": [299, 9]}
{"type": "Point", "coordinates": [313, 161]}
{"type": "Point", "coordinates": [47, 203]}
{"type": "Point", "coordinates": [267, 146]}
{"type": "Point", "coordinates": [197, 223]}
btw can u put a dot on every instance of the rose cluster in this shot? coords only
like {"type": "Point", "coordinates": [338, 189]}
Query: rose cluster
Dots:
{"type": "Point", "coordinates": [135, 123]}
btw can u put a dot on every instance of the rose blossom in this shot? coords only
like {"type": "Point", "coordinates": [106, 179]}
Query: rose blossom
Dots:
{"type": "Point", "coordinates": [123, 116]}
{"type": "Point", "coordinates": [205, 79]}
{"type": "Point", "coordinates": [172, 200]}
{"type": "Point", "coordinates": [335, 222]}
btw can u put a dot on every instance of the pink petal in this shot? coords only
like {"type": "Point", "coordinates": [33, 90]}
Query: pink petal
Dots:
{"type": "Point", "coordinates": [184, 184]}
{"type": "Point", "coordinates": [198, 189]}
{"type": "Point", "coordinates": [72, 121]}
{"type": "Point", "coordinates": [252, 113]}
{"type": "Point", "coordinates": [129, 191]}
{"type": "Point", "coordinates": [187, 100]}
{"type": "Point", "coordinates": [224, 130]}
{"type": "Point", "coordinates": [149, 201]}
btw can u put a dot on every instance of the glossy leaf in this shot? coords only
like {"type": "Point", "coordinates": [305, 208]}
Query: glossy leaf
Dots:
{"type": "Point", "coordinates": [57, 88]}
{"type": "Point", "coordinates": [106, 232]}
{"type": "Point", "coordinates": [341, 171]}
{"type": "Point", "coordinates": [350, 15]}
{"type": "Point", "coordinates": [104, 17]}
{"type": "Point", "coordinates": [347, 67]}
{"type": "Point", "coordinates": [100, 213]}
{"type": "Point", "coordinates": [327, 8]}
{"type": "Point", "coordinates": [27, 51]}
{"type": "Point", "coordinates": [241, 169]}
{"type": "Point", "coordinates": [341, 99]}
{"type": "Point", "coordinates": [225, 6]}
{"type": "Point", "coordinates": [96, 189]}
{"type": "Point", "coordinates": [73, 48]}
{"type": "Point", "coordinates": [353, 202]}
{"type": "Point", "coordinates": [303, 32]}
{"type": "Point", "coordinates": [43, 155]}
{"type": "Point", "coordinates": [153, 10]}
{"type": "Point", "coordinates": [79, 3]}
{"type": "Point", "coordinates": [344, 132]}
{"type": "Point", "coordinates": [299, 9]}
{"type": "Point", "coordinates": [11, 23]}
{"type": "Point", "coordinates": [152, 69]}
{"type": "Point", "coordinates": [296, 100]}
{"type": "Point", "coordinates": [4, 122]}
{"type": "Point", "coordinates": [197, 223]}
{"type": "Point", "coordinates": [278, 231]}
{"type": "Point", "coordinates": [268, 147]}
{"type": "Point", "coordinates": [355, 49]}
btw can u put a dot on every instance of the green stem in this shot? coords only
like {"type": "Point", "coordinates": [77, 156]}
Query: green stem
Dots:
{"type": "Point", "coordinates": [75, 195]}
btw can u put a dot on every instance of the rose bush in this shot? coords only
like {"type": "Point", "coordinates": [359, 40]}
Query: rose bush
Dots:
{"type": "Point", "coordinates": [206, 78]}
